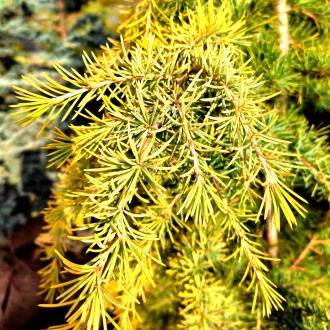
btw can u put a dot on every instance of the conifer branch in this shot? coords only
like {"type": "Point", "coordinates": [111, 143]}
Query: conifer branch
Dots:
{"type": "Point", "coordinates": [176, 167]}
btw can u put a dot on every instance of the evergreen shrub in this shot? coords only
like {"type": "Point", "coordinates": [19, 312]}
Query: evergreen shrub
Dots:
{"type": "Point", "coordinates": [198, 141]}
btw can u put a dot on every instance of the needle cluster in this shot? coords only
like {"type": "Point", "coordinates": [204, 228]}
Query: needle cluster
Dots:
{"type": "Point", "coordinates": [178, 167]}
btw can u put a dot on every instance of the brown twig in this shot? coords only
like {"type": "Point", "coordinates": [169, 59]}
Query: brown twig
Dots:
{"type": "Point", "coordinates": [62, 19]}
{"type": "Point", "coordinates": [318, 281]}
{"type": "Point", "coordinates": [305, 251]}
{"type": "Point", "coordinates": [281, 9]}
{"type": "Point", "coordinates": [283, 29]}
{"type": "Point", "coordinates": [271, 233]}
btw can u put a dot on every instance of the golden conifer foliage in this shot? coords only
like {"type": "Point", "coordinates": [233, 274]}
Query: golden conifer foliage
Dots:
{"type": "Point", "coordinates": [173, 170]}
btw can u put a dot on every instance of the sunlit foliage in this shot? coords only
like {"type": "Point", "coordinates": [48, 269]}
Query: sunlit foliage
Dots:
{"type": "Point", "coordinates": [177, 167]}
